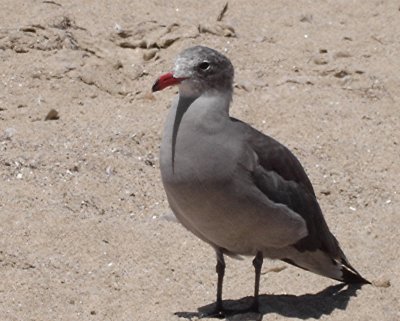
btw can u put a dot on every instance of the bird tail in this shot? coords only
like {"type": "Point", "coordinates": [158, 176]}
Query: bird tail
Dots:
{"type": "Point", "coordinates": [321, 263]}
{"type": "Point", "coordinates": [349, 274]}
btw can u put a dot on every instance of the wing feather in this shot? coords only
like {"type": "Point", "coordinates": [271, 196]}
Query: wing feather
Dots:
{"type": "Point", "coordinates": [281, 177]}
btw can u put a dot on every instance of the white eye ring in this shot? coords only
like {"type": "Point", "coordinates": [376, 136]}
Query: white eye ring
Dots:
{"type": "Point", "coordinates": [205, 65]}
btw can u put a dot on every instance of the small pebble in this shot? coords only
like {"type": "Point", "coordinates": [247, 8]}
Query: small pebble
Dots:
{"type": "Point", "coordinates": [109, 170]}
{"type": "Point", "coordinates": [275, 269]}
{"type": "Point", "coordinates": [320, 61]}
{"type": "Point", "coordinates": [325, 192]}
{"type": "Point", "coordinates": [52, 115]}
{"type": "Point", "coordinates": [9, 132]}
{"type": "Point", "coordinates": [150, 54]}
{"type": "Point", "coordinates": [341, 54]}
{"type": "Point", "coordinates": [382, 283]}
{"type": "Point", "coordinates": [306, 18]}
{"type": "Point", "coordinates": [341, 74]}
{"type": "Point", "coordinates": [149, 96]}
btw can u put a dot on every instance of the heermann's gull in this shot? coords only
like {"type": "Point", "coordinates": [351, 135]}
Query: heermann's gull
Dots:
{"type": "Point", "coordinates": [233, 187]}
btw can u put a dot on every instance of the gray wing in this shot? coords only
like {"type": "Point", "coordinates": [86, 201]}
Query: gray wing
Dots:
{"type": "Point", "coordinates": [280, 176]}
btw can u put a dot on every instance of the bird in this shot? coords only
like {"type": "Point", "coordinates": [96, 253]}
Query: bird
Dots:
{"type": "Point", "coordinates": [233, 187]}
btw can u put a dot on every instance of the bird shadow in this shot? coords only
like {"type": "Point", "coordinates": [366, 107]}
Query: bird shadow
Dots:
{"type": "Point", "coordinates": [303, 306]}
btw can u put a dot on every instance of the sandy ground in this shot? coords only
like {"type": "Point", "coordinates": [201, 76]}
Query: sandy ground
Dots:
{"type": "Point", "coordinates": [84, 223]}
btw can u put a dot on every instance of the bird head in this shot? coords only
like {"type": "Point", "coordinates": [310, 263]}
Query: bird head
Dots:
{"type": "Point", "coordinates": [198, 70]}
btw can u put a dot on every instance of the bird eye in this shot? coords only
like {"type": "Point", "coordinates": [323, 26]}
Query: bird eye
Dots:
{"type": "Point", "coordinates": [205, 65]}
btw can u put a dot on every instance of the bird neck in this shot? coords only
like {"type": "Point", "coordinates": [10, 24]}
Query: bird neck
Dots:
{"type": "Point", "coordinates": [213, 101]}
{"type": "Point", "coordinates": [206, 113]}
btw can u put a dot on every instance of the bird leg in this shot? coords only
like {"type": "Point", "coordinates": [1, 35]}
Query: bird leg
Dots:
{"type": "Point", "coordinates": [220, 268]}
{"type": "Point", "coordinates": [219, 311]}
{"type": "Point", "coordinates": [257, 263]}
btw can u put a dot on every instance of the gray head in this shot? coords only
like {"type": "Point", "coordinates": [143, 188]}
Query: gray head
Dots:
{"type": "Point", "coordinates": [198, 70]}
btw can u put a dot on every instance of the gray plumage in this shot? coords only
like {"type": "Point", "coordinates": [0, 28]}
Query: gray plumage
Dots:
{"type": "Point", "coordinates": [235, 188]}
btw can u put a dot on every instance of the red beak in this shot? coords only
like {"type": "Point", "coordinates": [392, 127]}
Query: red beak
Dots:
{"type": "Point", "coordinates": [165, 81]}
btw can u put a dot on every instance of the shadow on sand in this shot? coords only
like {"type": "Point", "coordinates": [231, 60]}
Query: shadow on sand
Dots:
{"type": "Point", "coordinates": [291, 306]}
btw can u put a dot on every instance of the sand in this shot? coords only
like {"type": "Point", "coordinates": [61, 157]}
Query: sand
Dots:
{"type": "Point", "coordinates": [85, 229]}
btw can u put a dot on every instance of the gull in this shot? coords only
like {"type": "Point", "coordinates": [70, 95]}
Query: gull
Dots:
{"type": "Point", "coordinates": [238, 190]}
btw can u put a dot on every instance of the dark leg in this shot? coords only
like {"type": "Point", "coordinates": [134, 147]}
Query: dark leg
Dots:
{"type": "Point", "coordinates": [218, 312]}
{"type": "Point", "coordinates": [220, 268]}
{"type": "Point", "coordinates": [257, 263]}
